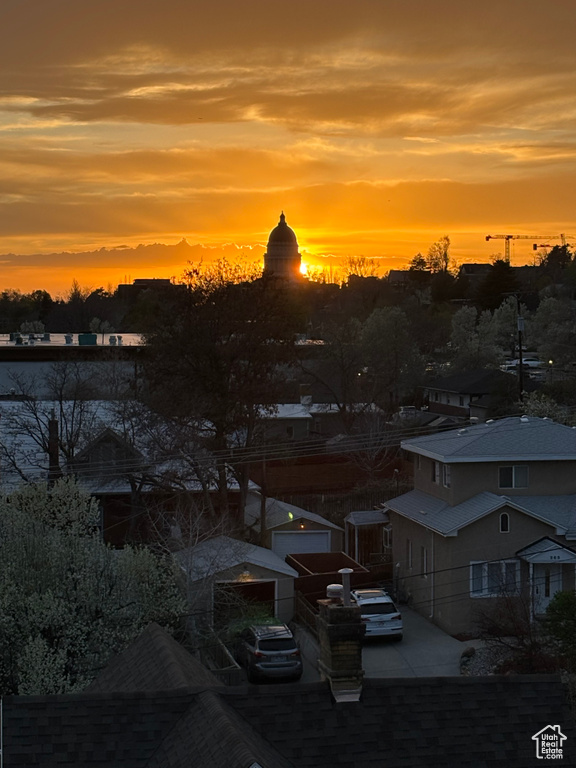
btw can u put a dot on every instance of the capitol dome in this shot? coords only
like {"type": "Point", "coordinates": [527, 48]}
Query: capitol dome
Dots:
{"type": "Point", "coordinates": [282, 258]}
{"type": "Point", "coordinates": [282, 233]}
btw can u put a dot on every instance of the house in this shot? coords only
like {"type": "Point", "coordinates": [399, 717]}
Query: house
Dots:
{"type": "Point", "coordinates": [129, 459]}
{"type": "Point", "coordinates": [457, 395]}
{"type": "Point", "coordinates": [154, 705]}
{"type": "Point", "coordinates": [252, 573]}
{"type": "Point", "coordinates": [291, 529]}
{"type": "Point", "coordinates": [492, 515]}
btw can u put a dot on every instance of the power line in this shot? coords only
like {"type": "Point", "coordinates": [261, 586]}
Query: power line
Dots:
{"type": "Point", "coordinates": [245, 456]}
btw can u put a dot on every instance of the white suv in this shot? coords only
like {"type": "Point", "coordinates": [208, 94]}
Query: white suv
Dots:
{"type": "Point", "coordinates": [379, 613]}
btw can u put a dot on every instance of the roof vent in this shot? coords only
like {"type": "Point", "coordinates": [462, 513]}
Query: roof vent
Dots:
{"type": "Point", "coordinates": [524, 419]}
{"type": "Point", "coordinates": [462, 431]}
{"type": "Point", "coordinates": [490, 421]}
{"type": "Point", "coordinates": [423, 512]}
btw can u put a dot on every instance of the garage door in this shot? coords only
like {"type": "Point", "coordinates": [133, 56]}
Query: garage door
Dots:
{"type": "Point", "coordinates": [293, 542]}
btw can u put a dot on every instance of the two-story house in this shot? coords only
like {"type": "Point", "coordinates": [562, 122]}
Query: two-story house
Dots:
{"type": "Point", "coordinates": [492, 514]}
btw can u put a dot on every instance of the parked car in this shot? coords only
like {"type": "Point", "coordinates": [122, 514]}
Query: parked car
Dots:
{"type": "Point", "coordinates": [269, 652]}
{"type": "Point", "coordinates": [529, 361]}
{"type": "Point", "coordinates": [379, 613]}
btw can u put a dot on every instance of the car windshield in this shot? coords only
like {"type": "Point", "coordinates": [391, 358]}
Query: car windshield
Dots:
{"type": "Point", "coordinates": [378, 608]}
{"type": "Point", "coordinates": [277, 644]}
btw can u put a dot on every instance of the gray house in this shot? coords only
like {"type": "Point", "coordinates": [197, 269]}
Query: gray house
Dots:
{"type": "Point", "coordinates": [492, 514]}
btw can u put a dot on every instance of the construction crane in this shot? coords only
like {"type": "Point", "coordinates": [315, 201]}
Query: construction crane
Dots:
{"type": "Point", "coordinates": [507, 239]}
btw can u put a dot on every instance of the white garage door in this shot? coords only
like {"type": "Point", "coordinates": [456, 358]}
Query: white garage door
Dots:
{"type": "Point", "coordinates": [292, 542]}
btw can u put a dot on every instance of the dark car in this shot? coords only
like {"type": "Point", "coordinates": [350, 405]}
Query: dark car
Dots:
{"type": "Point", "coordinates": [269, 652]}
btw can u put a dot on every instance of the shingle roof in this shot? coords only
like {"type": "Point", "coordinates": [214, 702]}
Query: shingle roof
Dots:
{"type": "Point", "coordinates": [409, 723]}
{"type": "Point", "coordinates": [398, 723]}
{"type": "Point", "coordinates": [24, 458]}
{"type": "Point", "coordinates": [516, 438]}
{"type": "Point", "coordinates": [438, 515]}
{"type": "Point", "coordinates": [155, 661]}
{"type": "Point", "coordinates": [280, 512]}
{"type": "Point", "coordinates": [222, 552]}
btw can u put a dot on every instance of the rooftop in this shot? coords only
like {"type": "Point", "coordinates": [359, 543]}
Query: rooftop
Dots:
{"type": "Point", "coordinates": [190, 721]}
{"type": "Point", "coordinates": [515, 438]}
{"type": "Point", "coordinates": [436, 514]}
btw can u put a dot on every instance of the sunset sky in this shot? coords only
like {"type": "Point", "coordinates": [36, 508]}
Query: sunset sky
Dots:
{"type": "Point", "coordinates": [378, 126]}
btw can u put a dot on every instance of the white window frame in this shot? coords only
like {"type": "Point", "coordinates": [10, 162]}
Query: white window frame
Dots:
{"type": "Point", "coordinates": [409, 553]}
{"type": "Point", "coordinates": [435, 472]}
{"type": "Point", "coordinates": [486, 573]}
{"type": "Point", "coordinates": [423, 562]}
{"type": "Point", "coordinates": [446, 480]}
{"type": "Point", "coordinates": [514, 467]}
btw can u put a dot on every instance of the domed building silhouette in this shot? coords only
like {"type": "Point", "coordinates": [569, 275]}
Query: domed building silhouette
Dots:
{"type": "Point", "coordinates": [282, 258]}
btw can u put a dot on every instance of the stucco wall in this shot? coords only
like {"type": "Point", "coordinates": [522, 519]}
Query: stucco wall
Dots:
{"type": "Point", "coordinates": [545, 478]}
{"type": "Point", "coordinates": [444, 596]}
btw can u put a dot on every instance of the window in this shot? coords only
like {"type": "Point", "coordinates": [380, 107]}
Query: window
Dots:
{"type": "Point", "coordinates": [409, 553]}
{"type": "Point", "coordinates": [436, 472]}
{"type": "Point", "coordinates": [461, 400]}
{"type": "Point", "coordinates": [290, 432]}
{"type": "Point", "coordinates": [446, 475]}
{"type": "Point", "coordinates": [435, 397]}
{"type": "Point", "coordinates": [504, 522]}
{"type": "Point", "coordinates": [418, 461]}
{"type": "Point", "coordinates": [423, 563]}
{"type": "Point", "coordinates": [493, 579]}
{"type": "Point", "coordinates": [515, 476]}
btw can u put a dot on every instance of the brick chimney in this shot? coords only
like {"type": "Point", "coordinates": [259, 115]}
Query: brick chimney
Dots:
{"type": "Point", "coordinates": [340, 631]}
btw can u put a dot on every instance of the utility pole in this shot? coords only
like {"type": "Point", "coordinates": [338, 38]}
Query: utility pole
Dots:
{"type": "Point", "coordinates": [263, 500]}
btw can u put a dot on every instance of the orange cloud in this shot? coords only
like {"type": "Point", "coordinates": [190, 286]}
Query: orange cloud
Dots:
{"type": "Point", "coordinates": [377, 126]}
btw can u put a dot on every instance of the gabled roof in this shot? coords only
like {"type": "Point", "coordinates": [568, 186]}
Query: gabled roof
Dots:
{"type": "Point", "coordinates": [546, 550]}
{"type": "Point", "coordinates": [367, 517]}
{"type": "Point", "coordinates": [437, 515]}
{"type": "Point", "coordinates": [24, 459]}
{"type": "Point", "coordinates": [155, 661]}
{"type": "Point", "coordinates": [512, 439]}
{"type": "Point", "coordinates": [280, 512]}
{"type": "Point", "coordinates": [479, 382]}
{"type": "Point", "coordinates": [220, 553]}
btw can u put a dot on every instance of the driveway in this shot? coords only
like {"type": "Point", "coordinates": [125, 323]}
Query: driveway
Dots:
{"type": "Point", "coordinates": [425, 651]}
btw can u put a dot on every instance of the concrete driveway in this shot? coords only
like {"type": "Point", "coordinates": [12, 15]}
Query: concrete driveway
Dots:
{"type": "Point", "coordinates": [425, 651]}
